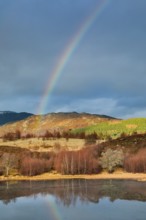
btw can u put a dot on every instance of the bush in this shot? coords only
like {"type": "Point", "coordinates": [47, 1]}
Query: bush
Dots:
{"type": "Point", "coordinates": [12, 136]}
{"type": "Point", "coordinates": [34, 166]}
{"type": "Point", "coordinates": [90, 139]}
{"type": "Point", "coordinates": [136, 163]}
{"type": "Point", "coordinates": [111, 159]}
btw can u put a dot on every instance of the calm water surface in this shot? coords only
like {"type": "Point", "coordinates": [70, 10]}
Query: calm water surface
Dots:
{"type": "Point", "coordinates": [73, 200]}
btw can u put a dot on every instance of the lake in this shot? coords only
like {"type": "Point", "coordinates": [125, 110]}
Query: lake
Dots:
{"type": "Point", "coordinates": [73, 200]}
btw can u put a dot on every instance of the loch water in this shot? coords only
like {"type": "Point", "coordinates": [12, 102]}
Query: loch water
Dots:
{"type": "Point", "coordinates": [73, 199]}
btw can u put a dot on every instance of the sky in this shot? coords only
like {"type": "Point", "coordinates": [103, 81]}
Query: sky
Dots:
{"type": "Point", "coordinates": [104, 74]}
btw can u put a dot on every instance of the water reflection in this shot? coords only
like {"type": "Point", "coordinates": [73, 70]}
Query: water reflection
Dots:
{"type": "Point", "coordinates": [69, 192]}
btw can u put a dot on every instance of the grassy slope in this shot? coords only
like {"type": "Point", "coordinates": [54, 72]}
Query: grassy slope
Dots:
{"type": "Point", "coordinates": [115, 128]}
{"type": "Point", "coordinates": [38, 144]}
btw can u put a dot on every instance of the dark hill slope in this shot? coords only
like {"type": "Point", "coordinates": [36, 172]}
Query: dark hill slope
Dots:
{"type": "Point", "coordinates": [129, 144]}
{"type": "Point", "coordinates": [9, 117]}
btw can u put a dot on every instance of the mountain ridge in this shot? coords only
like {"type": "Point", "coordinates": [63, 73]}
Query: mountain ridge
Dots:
{"type": "Point", "coordinates": [61, 121]}
{"type": "Point", "coordinates": [11, 116]}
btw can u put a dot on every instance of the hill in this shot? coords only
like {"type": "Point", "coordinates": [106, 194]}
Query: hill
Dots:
{"type": "Point", "coordinates": [9, 116]}
{"type": "Point", "coordinates": [129, 144]}
{"type": "Point", "coordinates": [114, 128]}
{"type": "Point", "coordinates": [38, 125]}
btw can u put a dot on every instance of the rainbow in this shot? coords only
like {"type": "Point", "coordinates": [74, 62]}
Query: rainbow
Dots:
{"type": "Point", "coordinates": [53, 210]}
{"type": "Point", "coordinates": [67, 53]}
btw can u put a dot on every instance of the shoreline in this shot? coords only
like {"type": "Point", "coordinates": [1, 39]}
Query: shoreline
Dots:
{"type": "Point", "coordinates": [102, 176]}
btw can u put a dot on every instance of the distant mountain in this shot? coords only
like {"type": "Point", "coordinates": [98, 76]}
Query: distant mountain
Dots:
{"type": "Point", "coordinates": [61, 121]}
{"type": "Point", "coordinates": [9, 116]}
{"type": "Point", "coordinates": [78, 115]}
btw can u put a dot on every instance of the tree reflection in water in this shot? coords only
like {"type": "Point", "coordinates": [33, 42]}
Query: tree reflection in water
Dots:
{"type": "Point", "coordinates": [68, 192]}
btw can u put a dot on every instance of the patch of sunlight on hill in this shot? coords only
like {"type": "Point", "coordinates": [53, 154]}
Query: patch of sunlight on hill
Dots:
{"type": "Point", "coordinates": [116, 128]}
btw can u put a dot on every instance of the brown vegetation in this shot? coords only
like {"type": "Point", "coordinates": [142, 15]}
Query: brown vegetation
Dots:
{"type": "Point", "coordinates": [34, 166]}
{"type": "Point", "coordinates": [129, 144]}
{"type": "Point", "coordinates": [90, 159]}
{"type": "Point", "coordinates": [136, 163]}
{"type": "Point", "coordinates": [84, 161]}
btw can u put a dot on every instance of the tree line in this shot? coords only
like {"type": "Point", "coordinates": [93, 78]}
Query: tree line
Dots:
{"type": "Point", "coordinates": [89, 160]}
{"type": "Point", "coordinates": [90, 138]}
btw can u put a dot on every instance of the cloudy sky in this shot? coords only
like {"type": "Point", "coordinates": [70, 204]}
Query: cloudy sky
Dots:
{"type": "Point", "coordinates": [105, 74]}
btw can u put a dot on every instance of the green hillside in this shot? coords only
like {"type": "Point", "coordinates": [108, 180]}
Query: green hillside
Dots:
{"type": "Point", "coordinates": [116, 128]}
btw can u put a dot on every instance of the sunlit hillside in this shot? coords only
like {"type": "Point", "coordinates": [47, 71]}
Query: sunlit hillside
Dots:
{"type": "Point", "coordinates": [116, 128]}
{"type": "Point", "coordinates": [38, 125]}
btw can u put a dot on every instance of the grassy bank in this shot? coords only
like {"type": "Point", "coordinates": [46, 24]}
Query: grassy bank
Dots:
{"type": "Point", "coordinates": [103, 175]}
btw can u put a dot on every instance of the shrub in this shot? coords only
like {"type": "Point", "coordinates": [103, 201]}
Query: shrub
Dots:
{"type": "Point", "coordinates": [136, 163]}
{"type": "Point", "coordinates": [111, 159]}
{"type": "Point", "coordinates": [34, 166]}
{"type": "Point", "coordinates": [90, 139]}
{"type": "Point", "coordinates": [11, 136]}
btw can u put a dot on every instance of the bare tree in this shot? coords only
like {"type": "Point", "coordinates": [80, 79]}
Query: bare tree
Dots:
{"type": "Point", "coordinates": [8, 161]}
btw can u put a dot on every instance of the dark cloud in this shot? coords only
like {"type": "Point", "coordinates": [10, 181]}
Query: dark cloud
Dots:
{"type": "Point", "coordinates": [106, 72]}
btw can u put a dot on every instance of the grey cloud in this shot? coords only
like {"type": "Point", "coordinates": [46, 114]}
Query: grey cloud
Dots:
{"type": "Point", "coordinates": [108, 63]}
{"type": "Point", "coordinates": [115, 74]}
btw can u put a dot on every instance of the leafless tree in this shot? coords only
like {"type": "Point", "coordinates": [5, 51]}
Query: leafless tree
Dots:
{"type": "Point", "coordinates": [8, 161]}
